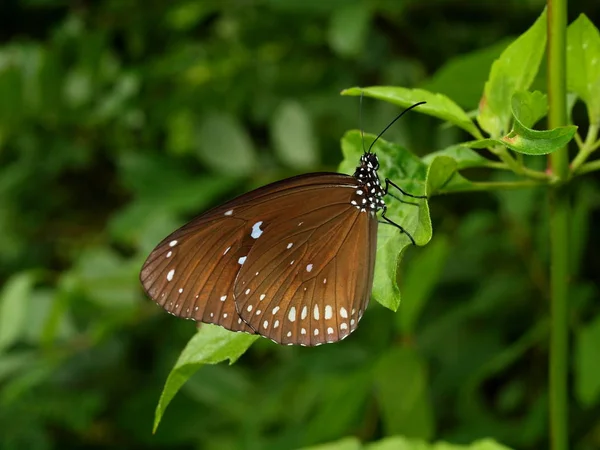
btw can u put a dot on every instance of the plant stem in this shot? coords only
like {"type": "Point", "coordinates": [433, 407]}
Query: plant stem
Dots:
{"type": "Point", "coordinates": [587, 148]}
{"type": "Point", "coordinates": [490, 186]}
{"type": "Point", "coordinates": [559, 228]}
{"type": "Point", "coordinates": [589, 167]}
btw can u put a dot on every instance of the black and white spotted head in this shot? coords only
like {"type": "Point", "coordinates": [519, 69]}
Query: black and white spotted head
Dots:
{"type": "Point", "coordinates": [369, 192]}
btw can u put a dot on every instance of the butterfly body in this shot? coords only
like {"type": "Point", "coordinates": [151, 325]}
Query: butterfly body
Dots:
{"type": "Point", "coordinates": [292, 261]}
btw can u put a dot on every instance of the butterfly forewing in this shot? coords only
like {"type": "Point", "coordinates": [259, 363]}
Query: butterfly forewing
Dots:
{"type": "Point", "coordinates": [308, 278]}
{"type": "Point", "coordinates": [191, 272]}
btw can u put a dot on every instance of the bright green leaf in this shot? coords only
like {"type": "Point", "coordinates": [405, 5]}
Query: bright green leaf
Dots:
{"type": "Point", "coordinates": [419, 280]}
{"type": "Point", "coordinates": [443, 176]}
{"type": "Point", "coordinates": [529, 107]}
{"type": "Point", "coordinates": [583, 64]}
{"type": "Point", "coordinates": [349, 27]}
{"type": "Point", "coordinates": [587, 363]}
{"type": "Point", "coordinates": [513, 71]}
{"type": "Point", "coordinates": [408, 172]}
{"type": "Point", "coordinates": [437, 105]}
{"type": "Point", "coordinates": [465, 157]}
{"type": "Point", "coordinates": [210, 345]}
{"type": "Point", "coordinates": [463, 77]}
{"type": "Point", "coordinates": [529, 142]}
{"type": "Point", "coordinates": [293, 135]}
{"type": "Point", "coordinates": [14, 304]}
{"type": "Point", "coordinates": [399, 443]}
{"type": "Point", "coordinates": [401, 390]}
{"type": "Point", "coordinates": [224, 145]}
{"type": "Point", "coordinates": [348, 443]}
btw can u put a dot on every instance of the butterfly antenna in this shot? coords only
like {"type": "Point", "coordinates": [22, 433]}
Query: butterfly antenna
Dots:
{"type": "Point", "coordinates": [392, 123]}
{"type": "Point", "coordinates": [362, 131]}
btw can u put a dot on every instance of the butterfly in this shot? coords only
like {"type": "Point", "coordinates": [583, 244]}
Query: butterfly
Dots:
{"type": "Point", "coordinates": [292, 261]}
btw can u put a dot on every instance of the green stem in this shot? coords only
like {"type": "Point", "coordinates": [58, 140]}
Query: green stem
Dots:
{"type": "Point", "coordinates": [518, 167]}
{"type": "Point", "coordinates": [587, 148]}
{"type": "Point", "coordinates": [588, 167]}
{"type": "Point", "coordinates": [490, 186]}
{"type": "Point", "coordinates": [559, 228]}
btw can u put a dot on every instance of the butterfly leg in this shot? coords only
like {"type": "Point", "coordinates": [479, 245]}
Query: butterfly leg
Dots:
{"type": "Point", "coordinates": [389, 183]}
{"type": "Point", "coordinates": [391, 222]}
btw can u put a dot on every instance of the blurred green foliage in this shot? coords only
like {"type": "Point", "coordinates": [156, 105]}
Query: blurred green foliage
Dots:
{"type": "Point", "coordinates": [119, 120]}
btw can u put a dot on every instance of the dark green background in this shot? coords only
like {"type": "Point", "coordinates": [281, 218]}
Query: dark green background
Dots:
{"type": "Point", "coordinates": [120, 120]}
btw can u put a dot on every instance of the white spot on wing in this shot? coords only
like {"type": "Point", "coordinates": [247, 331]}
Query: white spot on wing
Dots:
{"type": "Point", "coordinates": [223, 298]}
{"type": "Point", "coordinates": [343, 326]}
{"type": "Point", "coordinates": [304, 312]}
{"type": "Point", "coordinates": [343, 312]}
{"type": "Point", "coordinates": [316, 312]}
{"type": "Point", "coordinates": [262, 297]}
{"type": "Point", "coordinates": [292, 314]}
{"type": "Point", "coordinates": [170, 274]}
{"type": "Point", "coordinates": [289, 334]}
{"type": "Point", "coordinates": [328, 312]}
{"type": "Point", "coordinates": [275, 310]}
{"type": "Point", "coordinates": [228, 213]}
{"type": "Point", "coordinates": [173, 243]}
{"type": "Point", "coordinates": [329, 330]}
{"type": "Point", "coordinates": [266, 324]}
{"type": "Point", "coordinates": [290, 245]}
{"type": "Point", "coordinates": [180, 290]}
{"type": "Point", "coordinates": [242, 260]}
{"type": "Point", "coordinates": [309, 267]}
{"type": "Point", "coordinates": [226, 250]}
{"type": "Point", "coordinates": [249, 308]}
{"type": "Point", "coordinates": [316, 332]}
{"type": "Point", "coordinates": [169, 254]}
{"type": "Point", "coordinates": [276, 324]}
{"type": "Point", "coordinates": [256, 231]}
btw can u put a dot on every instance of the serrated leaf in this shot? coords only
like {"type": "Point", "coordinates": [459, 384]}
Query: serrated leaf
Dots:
{"type": "Point", "coordinates": [210, 345]}
{"type": "Point", "coordinates": [529, 107]}
{"type": "Point", "coordinates": [408, 172]}
{"type": "Point", "coordinates": [293, 135]}
{"type": "Point", "coordinates": [438, 105]}
{"type": "Point", "coordinates": [401, 374]}
{"type": "Point", "coordinates": [587, 363]}
{"type": "Point", "coordinates": [224, 145]}
{"type": "Point", "coordinates": [583, 64]}
{"type": "Point", "coordinates": [14, 304]}
{"type": "Point", "coordinates": [513, 71]}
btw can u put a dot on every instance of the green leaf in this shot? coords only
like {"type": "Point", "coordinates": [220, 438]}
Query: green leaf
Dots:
{"type": "Point", "coordinates": [348, 443]}
{"type": "Point", "coordinates": [463, 77]}
{"type": "Point", "coordinates": [401, 390]}
{"type": "Point", "coordinates": [293, 135]}
{"type": "Point", "coordinates": [210, 345]}
{"type": "Point", "coordinates": [529, 142]}
{"type": "Point", "coordinates": [513, 71]}
{"type": "Point", "coordinates": [419, 280]}
{"type": "Point", "coordinates": [587, 363]}
{"type": "Point", "coordinates": [443, 176]}
{"type": "Point", "coordinates": [349, 27]}
{"type": "Point", "coordinates": [408, 172]}
{"type": "Point", "coordinates": [14, 304]}
{"type": "Point", "coordinates": [224, 145]}
{"type": "Point", "coordinates": [399, 443]}
{"type": "Point", "coordinates": [529, 107]}
{"type": "Point", "coordinates": [437, 105]}
{"type": "Point", "coordinates": [583, 64]}
{"type": "Point", "coordinates": [465, 157]}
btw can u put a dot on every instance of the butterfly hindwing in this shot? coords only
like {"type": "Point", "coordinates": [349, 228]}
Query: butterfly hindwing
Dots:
{"type": "Point", "coordinates": [308, 279]}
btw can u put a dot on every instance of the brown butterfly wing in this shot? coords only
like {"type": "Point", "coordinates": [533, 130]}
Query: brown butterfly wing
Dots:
{"type": "Point", "coordinates": [308, 279]}
{"type": "Point", "coordinates": [191, 273]}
